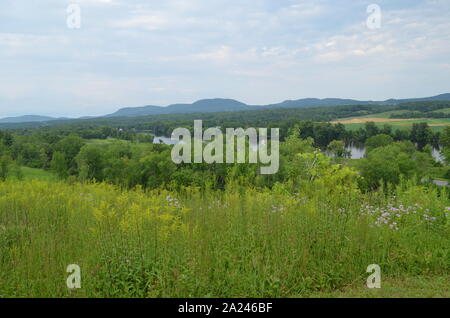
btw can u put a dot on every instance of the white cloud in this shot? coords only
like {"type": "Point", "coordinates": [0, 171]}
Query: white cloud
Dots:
{"type": "Point", "coordinates": [148, 52]}
{"type": "Point", "coordinates": [147, 22]}
{"type": "Point", "coordinates": [27, 41]}
{"type": "Point", "coordinates": [88, 3]}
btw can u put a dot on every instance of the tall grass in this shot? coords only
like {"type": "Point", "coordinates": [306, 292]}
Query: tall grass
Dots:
{"type": "Point", "coordinates": [235, 243]}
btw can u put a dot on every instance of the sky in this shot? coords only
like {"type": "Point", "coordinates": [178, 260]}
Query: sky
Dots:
{"type": "Point", "coordinates": [132, 53]}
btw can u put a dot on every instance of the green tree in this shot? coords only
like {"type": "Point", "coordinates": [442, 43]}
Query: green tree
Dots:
{"type": "Point", "coordinates": [70, 146]}
{"type": "Point", "coordinates": [421, 134]}
{"type": "Point", "coordinates": [59, 165]}
{"type": "Point", "coordinates": [6, 138]}
{"type": "Point", "coordinates": [387, 129]}
{"type": "Point", "coordinates": [371, 129]}
{"type": "Point", "coordinates": [293, 144]}
{"type": "Point", "coordinates": [156, 169]}
{"type": "Point", "coordinates": [445, 142]}
{"type": "Point", "coordinates": [445, 137]}
{"type": "Point", "coordinates": [376, 141]}
{"type": "Point", "coordinates": [385, 165]}
{"type": "Point", "coordinates": [90, 163]}
{"type": "Point", "coordinates": [5, 163]}
{"type": "Point", "coordinates": [337, 149]}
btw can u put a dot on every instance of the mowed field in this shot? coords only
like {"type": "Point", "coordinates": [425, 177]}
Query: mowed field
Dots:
{"type": "Point", "coordinates": [354, 123]}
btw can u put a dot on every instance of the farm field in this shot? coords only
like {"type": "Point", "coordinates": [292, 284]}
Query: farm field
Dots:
{"type": "Point", "coordinates": [354, 123]}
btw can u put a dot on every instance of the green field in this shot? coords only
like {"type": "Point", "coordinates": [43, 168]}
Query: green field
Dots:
{"type": "Point", "coordinates": [27, 174]}
{"type": "Point", "coordinates": [354, 123]}
{"type": "Point", "coordinates": [385, 114]}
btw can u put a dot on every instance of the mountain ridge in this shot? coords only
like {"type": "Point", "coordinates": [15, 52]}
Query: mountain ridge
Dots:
{"type": "Point", "coordinates": [220, 104]}
{"type": "Point", "coordinates": [28, 119]}
{"type": "Point", "coordinates": [223, 105]}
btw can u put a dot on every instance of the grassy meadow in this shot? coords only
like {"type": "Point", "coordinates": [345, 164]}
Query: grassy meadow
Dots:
{"type": "Point", "coordinates": [240, 242]}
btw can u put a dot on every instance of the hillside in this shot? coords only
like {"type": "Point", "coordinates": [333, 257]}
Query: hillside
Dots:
{"type": "Point", "coordinates": [309, 108]}
{"type": "Point", "coordinates": [203, 106]}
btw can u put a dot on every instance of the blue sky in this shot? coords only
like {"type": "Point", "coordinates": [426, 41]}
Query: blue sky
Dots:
{"type": "Point", "coordinates": [134, 53]}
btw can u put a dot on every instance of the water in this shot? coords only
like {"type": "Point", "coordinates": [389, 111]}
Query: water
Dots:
{"type": "Point", "coordinates": [358, 152]}
{"type": "Point", "coordinates": [169, 141]}
{"type": "Point", "coordinates": [437, 155]}
{"type": "Point", "coordinates": [164, 140]}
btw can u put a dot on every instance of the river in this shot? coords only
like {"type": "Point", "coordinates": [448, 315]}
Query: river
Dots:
{"type": "Point", "coordinates": [356, 152]}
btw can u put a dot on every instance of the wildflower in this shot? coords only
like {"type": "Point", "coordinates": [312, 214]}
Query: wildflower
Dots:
{"type": "Point", "coordinates": [276, 209]}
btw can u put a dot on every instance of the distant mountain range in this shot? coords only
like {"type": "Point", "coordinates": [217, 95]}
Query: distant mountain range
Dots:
{"type": "Point", "coordinates": [201, 106]}
{"type": "Point", "coordinates": [224, 105]}
{"type": "Point", "coordinates": [28, 119]}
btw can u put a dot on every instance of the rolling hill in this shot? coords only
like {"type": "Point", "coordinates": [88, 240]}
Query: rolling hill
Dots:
{"type": "Point", "coordinates": [201, 106]}
{"type": "Point", "coordinates": [27, 119]}
{"type": "Point", "coordinates": [226, 105]}
{"type": "Point", "coordinates": [222, 105]}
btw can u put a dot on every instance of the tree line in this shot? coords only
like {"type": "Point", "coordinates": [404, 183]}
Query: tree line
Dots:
{"type": "Point", "coordinates": [131, 159]}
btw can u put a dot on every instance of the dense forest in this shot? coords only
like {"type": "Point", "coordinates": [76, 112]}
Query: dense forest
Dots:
{"type": "Point", "coordinates": [129, 158]}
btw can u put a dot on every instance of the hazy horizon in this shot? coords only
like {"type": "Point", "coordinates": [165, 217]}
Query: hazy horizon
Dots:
{"type": "Point", "coordinates": [276, 102]}
{"type": "Point", "coordinates": [136, 53]}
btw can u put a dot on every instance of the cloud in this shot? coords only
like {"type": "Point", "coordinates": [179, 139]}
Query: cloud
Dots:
{"type": "Point", "coordinates": [27, 41]}
{"type": "Point", "coordinates": [139, 52]}
{"type": "Point", "coordinates": [149, 22]}
{"type": "Point", "coordinates": [88, 3]}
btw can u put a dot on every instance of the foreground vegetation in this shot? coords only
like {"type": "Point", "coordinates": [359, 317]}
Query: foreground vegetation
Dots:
{"type": "Point", "coordinates": [404, 287]}
{"type": "Point", "coordinates": [240, 242]}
